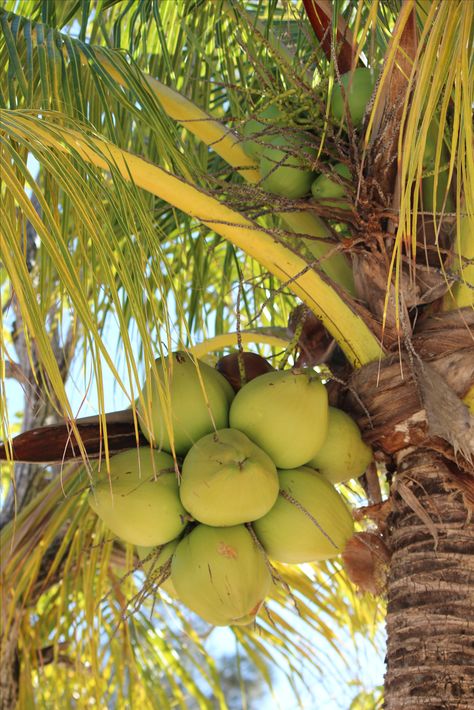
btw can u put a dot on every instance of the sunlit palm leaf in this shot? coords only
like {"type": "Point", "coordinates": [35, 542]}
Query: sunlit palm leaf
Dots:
{"type": "Point", "coordinates": [113, 84]}
{"type": "Point", "coordinates": [349, 330]}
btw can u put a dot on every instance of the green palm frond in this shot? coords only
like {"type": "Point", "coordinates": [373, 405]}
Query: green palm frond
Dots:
{"type": "Point", "coordinates": [441, 83]}
{"type": "Point", "coordinates": [445, 44]}
{"type": "Point", "coordinates": [354, 336]}
{"type": "Point", "coordinates": [118, 87]}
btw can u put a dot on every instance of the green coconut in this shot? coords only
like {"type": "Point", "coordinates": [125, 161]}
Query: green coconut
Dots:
{"type": "Point", "coordinates": [140, 503]}
{"type": "Point", "coordinates": [282, 172]}
{"type": "Point", "coordinates": [221, 381]}
{"type": "Point", "coordinates": [310, 520]}
{"type": "Point", "coordinates": [254, 127]}
{"type": "Point", "coordinates": [285, 413]}
{"type": "Point", "coordinates": [221, 574]}
{"type": "Point", "coordinates": [198, 403]}
{"type": "Point", "coordinates": [344, 454]}
{"type": "Point", "coordinates": [156, 563]}
{"type": "Point", "coordinates": [358, 87]}
{"type": "Point", "coordinates": [329, 192]}
{"type": "Point", "coordinates": [227, 479]}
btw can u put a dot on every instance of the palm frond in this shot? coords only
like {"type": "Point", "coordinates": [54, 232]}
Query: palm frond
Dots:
{"type": "Point", "coordinates": [116, 88]}
{"type": "Point", "coordinates": [441, 83]}
{"type": "Point", "coordinates": [355, 339]}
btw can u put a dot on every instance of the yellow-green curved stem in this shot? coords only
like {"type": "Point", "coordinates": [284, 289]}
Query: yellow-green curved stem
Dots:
{"type": "Point", "coordinates": [208, 129]}
{"type": "Point", "coordinates": [227, 144]}
{"type": "Point", "coordinates": [219, 342]}
{"type": "Point", "coordinates": [354, 337]}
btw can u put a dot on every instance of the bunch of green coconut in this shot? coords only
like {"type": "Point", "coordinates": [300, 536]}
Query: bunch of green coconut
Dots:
{"type": "Point", "coordinates": [284, 158]}
{"type": "Point", "coordinates": [256, 455]}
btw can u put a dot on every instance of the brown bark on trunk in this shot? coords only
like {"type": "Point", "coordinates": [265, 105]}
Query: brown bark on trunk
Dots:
{"type": "Point", "coordinates": [430, 617]}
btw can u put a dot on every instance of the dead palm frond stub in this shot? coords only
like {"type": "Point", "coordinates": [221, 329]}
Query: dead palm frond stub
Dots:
{"type": "Point", "coordinates": [366, 560]}
{"type": "Point", "coordinates": [57, 443]}
{"type": "Point", "coordinates": [320, 14]}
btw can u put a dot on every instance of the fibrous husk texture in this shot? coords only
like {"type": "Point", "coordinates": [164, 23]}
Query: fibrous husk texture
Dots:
{"type": "Point", "coordinates": [414, 399]}
{"type": "Point", "coordinates": [430, 617]}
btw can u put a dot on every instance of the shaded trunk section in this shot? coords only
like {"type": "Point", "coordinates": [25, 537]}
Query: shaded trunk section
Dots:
{"type": "Point", "coordinates": [430, 618]}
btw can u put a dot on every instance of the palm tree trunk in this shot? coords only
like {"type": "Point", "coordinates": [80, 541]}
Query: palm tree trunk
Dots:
{"type": "Point", "coordinates": [430, 618]}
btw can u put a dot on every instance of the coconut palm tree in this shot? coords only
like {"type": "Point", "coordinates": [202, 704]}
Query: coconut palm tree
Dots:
{"type": "Point", "coordinates": [136, 210]}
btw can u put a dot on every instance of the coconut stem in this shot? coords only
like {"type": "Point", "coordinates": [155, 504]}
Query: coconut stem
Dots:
{"type": "Point", "coordinates": [293, 344]}
{"type": "Point", "coordinates": [240, 349]}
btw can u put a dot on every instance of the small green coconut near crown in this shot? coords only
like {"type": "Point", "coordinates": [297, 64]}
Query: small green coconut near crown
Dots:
{"type": "Point", "coordinates": [227, 479]}
{"type": "Point", "coordinates": [191, 402]}
{"type": "Point", "coordinates": [282, 172]}
{"type": "Point", "coordinates": [285, 413]}
{"type": "Point", "coordinates": [221, 574]}
{"type": "Point", "coordinates": [310, 520]}
{"type": "Point", "coordinates": [358, 87]}
{"type": "Point", "coordinates": [254, 127]}
{"type": "Point", "coordinates": [343, 455]}
{"type": "Point", "coordinates": [329, 192]}
{"type": "Point", "coordinates": [156, 563]}
{"type": "Point", "coordinates": [140, 503]}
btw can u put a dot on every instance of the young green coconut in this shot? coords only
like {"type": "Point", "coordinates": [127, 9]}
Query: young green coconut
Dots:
{"type": "Point", "coordinates": [329, 192]}
{"type": "Point", "coordinates": [227, 479]}
{"type": "Point", "coordinates": [156, 563]}
{"type": "Point", "coordinates": [198, 399]}
{"type": "Point", "coordinates": [358, 87]}
{"type": "Point", "coordinates": [271, 116]}
{"type": "Point", "coordinates": [282, 172]}
{"type": "Point", "coordinates": [221, 574]}
{"type": "Point", "coordinates": [310, 520]}
{"type": "Point", "coordinates": [285, 413]}
{"type": "Point", "coordinates": [140, 503]}
{"type": "Point", "coordinates": [344, 455]}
